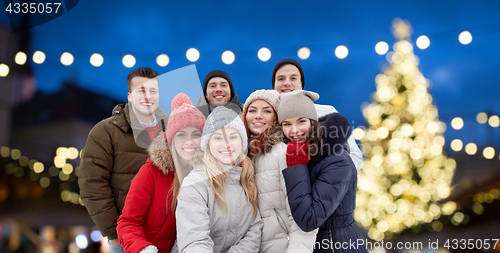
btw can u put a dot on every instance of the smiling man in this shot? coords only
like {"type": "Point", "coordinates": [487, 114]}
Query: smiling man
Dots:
{"type": "Point", "coordinates": [288, 75]}
{"type": "Point", "coordinates": [116, 149]}
{"type": "Point", "coordinates": [218, 90]}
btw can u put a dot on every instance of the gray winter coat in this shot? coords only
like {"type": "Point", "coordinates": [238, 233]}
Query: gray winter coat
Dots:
{"type": "Point", "coordinates": [203, 226]}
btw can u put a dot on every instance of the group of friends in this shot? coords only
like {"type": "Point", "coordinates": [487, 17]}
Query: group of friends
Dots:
{"type": "Point", "coordinates": [275, 174]}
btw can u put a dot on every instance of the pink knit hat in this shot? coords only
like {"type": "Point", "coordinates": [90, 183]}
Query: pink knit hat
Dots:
{"type": "Point", "coordinates": [184, 114]}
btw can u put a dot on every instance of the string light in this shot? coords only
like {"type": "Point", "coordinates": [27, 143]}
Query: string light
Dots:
{"type": "Point", "coordinates": [4, 70]}
{"type": "Point", "coordinates": [21, 58]}
{"type": "Point", "coordinates": [457, 123]}
{"type": "Point", "coordinates": [96, 60]}
{"type": "Point", "coordinates": [304, 53]}
{"type": "Point", "coordinates": [67, 59]}
{"type": "Point", "coordinates": [482, 118]}
{"type": "Point", "coordinates": [264, 54]}
{"type": "Point", "coordinates": [341, 52]}
{"type": "Point", "coordinates": [494, 121]}
{"type": "Point", "coordinates": [162, 60]}
{"type": "Point", "coordinates": [128, 61]}
{"type": "Point", "coordinates": [423, 42]}
{"type": "Point", "coordinates": [381, 48]}
{"type": "Point", "coordinates": [465, 37]}
{"type": "Point", "coordinates": [228, 57]}
{"type": "Point", "coordinates": [192, 54]}
{"type": "Point", "coordinates": [38, 57]}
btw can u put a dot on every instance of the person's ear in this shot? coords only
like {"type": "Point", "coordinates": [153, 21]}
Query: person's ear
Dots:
{"type": "Point", "coordinates": [129, 97]}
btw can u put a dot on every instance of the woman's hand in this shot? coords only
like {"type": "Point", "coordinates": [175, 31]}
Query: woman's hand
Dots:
{"type": "Point", "coordinates": [297, 154]}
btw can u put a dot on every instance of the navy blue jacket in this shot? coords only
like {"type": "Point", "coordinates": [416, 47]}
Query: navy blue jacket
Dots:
{"type": "Point", "coordinates": [322, 194]}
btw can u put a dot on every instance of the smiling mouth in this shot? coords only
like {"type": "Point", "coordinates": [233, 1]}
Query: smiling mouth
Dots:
{"type": "Point", "coordinates": [147, 104]}
{"type": "Point", "coordinates": [189, 150]}
{"type": "Point", "coordinates": [286, 90]}
{"type": "Point", "coordinates": [228, 153]}
{"type": "Point", "coordinates": [297, 138]}
{"type": "Point", "coordinates": [219, 96]}
{"type": "Point", "coordinates": [258, 124]}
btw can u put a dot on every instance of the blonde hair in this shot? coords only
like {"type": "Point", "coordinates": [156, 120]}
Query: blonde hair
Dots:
{"type": "Point", "coordinates": [217, 174]}
{"type": "Point", "coordinates": [180, 173]}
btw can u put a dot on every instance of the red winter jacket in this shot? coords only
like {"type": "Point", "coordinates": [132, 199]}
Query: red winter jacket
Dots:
{"type": "Point", "coordinates": [145, 220]}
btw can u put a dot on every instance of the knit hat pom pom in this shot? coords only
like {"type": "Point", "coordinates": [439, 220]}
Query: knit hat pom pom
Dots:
{"type": "Point", "coordinates": [179, 100]}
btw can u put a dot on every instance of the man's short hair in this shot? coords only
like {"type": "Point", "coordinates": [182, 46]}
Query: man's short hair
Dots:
{"type": "Point", "coordinates": [140, 72]}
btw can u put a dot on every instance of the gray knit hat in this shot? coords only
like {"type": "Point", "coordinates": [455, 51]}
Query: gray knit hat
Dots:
{"type": "Point", "coordinates": [270, 96]}
{"type": "Point", "coordinates": [298, 103]}
{"type": "Point", "coordinates": [219, 118]}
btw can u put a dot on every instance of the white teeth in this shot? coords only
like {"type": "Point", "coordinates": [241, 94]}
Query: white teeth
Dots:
{"type": "Point", "coordinates": [222, 152]}
{"type": "Point", "coordinates": [188, 149]}
{"type": "Point", "coordinates": [260, 124]}
{"type": "Point", "coordinates": [147, 104]}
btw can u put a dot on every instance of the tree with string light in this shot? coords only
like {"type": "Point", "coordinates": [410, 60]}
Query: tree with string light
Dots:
{"type": "Point", "coordinates": [405, 171]}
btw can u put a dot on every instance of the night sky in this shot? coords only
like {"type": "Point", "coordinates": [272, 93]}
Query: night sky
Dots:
{"type": "Point", "coordinates": [465, 78]}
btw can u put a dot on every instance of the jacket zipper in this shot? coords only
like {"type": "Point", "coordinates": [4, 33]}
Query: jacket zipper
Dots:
{"type": "Point", "coordinates": [282, 224]}
{"type": "Point", "coordinates": [331, 240]}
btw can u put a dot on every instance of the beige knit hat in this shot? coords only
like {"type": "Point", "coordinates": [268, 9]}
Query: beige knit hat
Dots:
{"type": "Point", "coordinates": [270, 96]}
{"type": "Point", "coordinates": [297, 104]}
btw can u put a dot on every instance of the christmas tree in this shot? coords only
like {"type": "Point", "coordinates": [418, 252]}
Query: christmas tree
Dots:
{"type": "Point", "coordinates": [405, 171]}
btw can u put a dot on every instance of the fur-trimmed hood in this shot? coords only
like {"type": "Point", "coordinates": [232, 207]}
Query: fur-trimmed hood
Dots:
{"type": "Point", "coordinates": [336, 131]}
{"type": "Point", "coordinates": [160, 155]}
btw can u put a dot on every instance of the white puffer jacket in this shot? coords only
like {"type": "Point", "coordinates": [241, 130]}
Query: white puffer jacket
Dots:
{"type": "Point", "coordinates": [280, 233]}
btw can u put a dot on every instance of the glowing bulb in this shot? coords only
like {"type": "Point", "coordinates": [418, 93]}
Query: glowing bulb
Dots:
{"type": "Point", "coordinates": [72, 153]}
{"type": "Point", "coordinates": [482, 118]}
{"type": "Point", "coordinates": [38, 167]}
{"type": "Point", "coordinates": [38, 57]}
{"type": "Point", "coordinates": [471, 149]}
{"type": "Point", "coordinates": [381, 48]}
{"type": "Point", "coordinates": [81, 241]}
{"type": "Point", "coordinates": [128, 61]}
{"type": "Point", "coordinates": [264, 54]}
{"type": "Point", "coordinates": [21, 58]}
{"type": "Point", "coordinates": [4, 70]}
{"type": "Point", "coordinates": [494, 121]}
{"type": "Point", "coordinates": [96, 235]}
{"type": "Point", "coordinates": [423, 42]}
{"type": "Point", "coordinates": [358, 133]}
{"type": "Point", "coordinates": [456, 145]}
{"type": "Point", "coordinates": [489, 153]}
{"type": "Point", "coordinates": [465, 37]}
{"type": "Point", "coordinates": [457, 123]}
{"type": "Point", "coordinates": [67, 59]}
{"type": "Point", "coordinates": [228, 57]}
{"type": "Point", "coordinates": [304, 53]}
{"type": "Point", "coordinates": [96, 60]}
{"type": "Point", "coordinates": [192, 54]}
{"type": "Point", "coordinates": [341, 52]}
{"type": "Point", "coordinates": [162, 60]}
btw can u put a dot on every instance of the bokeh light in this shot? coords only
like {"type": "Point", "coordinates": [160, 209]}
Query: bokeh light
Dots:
{"type": "Point", "coordinates": [67, 59]}
{"type": "Point", "coordinates": [456, 145]}
{"type": "Point", "coordinates": [192, 54]}
{"type": "Point", "coordinates": [228, 57]}
{"type": "Point", "coordinates": [465, 37]}
{"type": "Point", "coordinates": [381, 48]}
{"type": "Point", "coordinates": [4, 70]}
{"type": "Point", "coordinates": [457, 123]}
{"type": "Point", "coordinates": [264, 54]}
{"type": "Point", "coordinates": [482, 118]}
{"type": "Point", "coordinates": [471, 149]}
{"type": "Point", "coordinates": [423, 42]}
{"type": "Point", "coordinates": [162, 60]}
{"type": "Point", "coordinates": [128, 61]}
{"type": "Point", "coordinates": [21, 58]}
{"type": "Point", "coordinates": [494, 121]}
{"type": "Point", "coordinates": [38, 57]}
{"type": "Point", "coordinates": [81, 241]}
{"type": "Point", "coordinates": [489, 153]}
{"type": "Point", "coordinates": [304, 53]}
{"type": "Point", "coordinates": [96, 60]}
{"type": "Point", "coordinates": [95, 235]}
{"type": "Point", "coordinates": [341, 52]}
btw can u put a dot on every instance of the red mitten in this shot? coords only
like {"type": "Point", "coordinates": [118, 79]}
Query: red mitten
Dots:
{"type": "Point", "coordinates": [297, 154]}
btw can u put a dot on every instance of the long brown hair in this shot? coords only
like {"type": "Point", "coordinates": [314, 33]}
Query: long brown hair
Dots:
{"type": "Point", "coordinates": [180, 173]}
{"type": "Point", "coordinates": [257, 143]}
